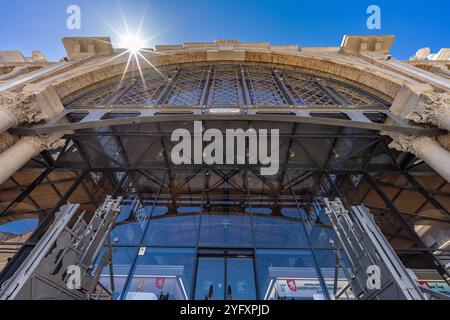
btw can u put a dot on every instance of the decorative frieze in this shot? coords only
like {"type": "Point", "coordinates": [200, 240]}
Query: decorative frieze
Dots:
{"type": "Point", "coordinates": [433, 109]}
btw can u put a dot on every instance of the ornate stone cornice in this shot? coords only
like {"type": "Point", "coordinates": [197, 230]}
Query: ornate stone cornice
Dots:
{"type": "Point", "coordinates": [412, 144]}
{"type": "Point", "coordinates": [21, 107]}
{"type": "Point", "coordinates": [46, 142]}
{"type": "Point", "coordinates": [432, 108]}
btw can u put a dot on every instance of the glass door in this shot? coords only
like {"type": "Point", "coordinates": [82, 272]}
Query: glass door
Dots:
{"type": "Point", "coordinates": [225, 278]}
{"type": "Point", "coordinates": [240, 274]}
{"type": "Point", "coordinates": [210, 283]}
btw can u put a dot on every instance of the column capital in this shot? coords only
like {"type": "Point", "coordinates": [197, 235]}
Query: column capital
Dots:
{"type": "Point", "coordinates": [22, 107]}
{"type": "Point", "coordinates": [432, 109]}
{"type": "Point", "coordinates": [412, 144]}
{"type": "Point", "coordinates": [46, 142]}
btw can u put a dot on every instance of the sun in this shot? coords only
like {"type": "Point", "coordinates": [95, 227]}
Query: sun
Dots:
{"type": "Point", "coordinates": [132, 43]}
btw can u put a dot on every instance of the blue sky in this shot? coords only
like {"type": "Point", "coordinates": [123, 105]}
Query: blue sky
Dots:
{"type": "Point", "coordinates": [40, 24]}
{"type": "Point", "coordinates": [19, 227]}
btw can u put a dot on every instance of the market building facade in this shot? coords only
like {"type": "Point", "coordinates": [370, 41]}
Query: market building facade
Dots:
{"type": "Point", "coordinates": [364, 167]}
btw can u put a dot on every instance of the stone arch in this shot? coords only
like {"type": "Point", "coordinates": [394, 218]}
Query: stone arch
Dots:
{"type": "Point", "coordinates": [369, 77]}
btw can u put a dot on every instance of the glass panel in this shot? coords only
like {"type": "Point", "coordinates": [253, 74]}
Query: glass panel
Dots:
{"type": "Point", "coordinates": [128, 234]}
{"type": "Point", "coordinates": [319, 228]}
{"type": "Point", "coordinates": [327, 262]}
{"type": "Point", "coordinates": [130, 226]}
{"type": "Point", "coordinates": [210, 279]}
{"type": "Point", "coordinates": [226, 231]}
{"type": "Point", "coordinates": [320, 236]}
{"type": "Point", "coordinates": [122, 259]}
{"type": "Point", "coordinates": [179, 231]}
{"type": "Point", "coordinates": [293, 213]}
{"type": "Point", "coordinates": [188, 88]}
{"type": "Point", "coordinates": [270, 232]}
{"type": "Point", "coordinates": [225, 86]}
{"type": "Point", "coordinates": [163, 274]}
{"type": "Point", "coordinates": [262, 87]}
{"type": "Point", "coordinates": [305, 90]}
{"type": "Point", "coordinates": [287, 275]}
{"type": "Point", "coordinates": [240, 279]}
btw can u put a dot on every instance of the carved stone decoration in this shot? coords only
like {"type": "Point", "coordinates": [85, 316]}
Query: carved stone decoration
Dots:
{"type": "Point", "coordinates": [46, 142]}
{"type": "Point", "coordinates": [412, 144]}
{"type": "Point", "coordinates": [428, 149]}
{"type": "Point", "coordinates": [432, 108]}
{"type": "Point", "coordinates": [22, 107]}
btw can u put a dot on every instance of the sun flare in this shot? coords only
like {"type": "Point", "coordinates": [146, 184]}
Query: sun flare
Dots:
{"type": "Point", "coordinates": [132, 43]}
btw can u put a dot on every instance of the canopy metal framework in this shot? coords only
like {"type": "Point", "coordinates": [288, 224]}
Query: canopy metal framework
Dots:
{"type": "Point", "coordinates": [330, 146]}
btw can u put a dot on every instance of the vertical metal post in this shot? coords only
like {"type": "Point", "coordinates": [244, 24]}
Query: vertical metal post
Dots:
{"type": "Point", "coordinates": [319, 271]}
{"type": "Point", "coordinates": [246, 93]}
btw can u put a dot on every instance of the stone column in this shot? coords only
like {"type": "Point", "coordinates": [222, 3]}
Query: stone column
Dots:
{"type": "Point", "coordinates": [433, 108]}
{"type": "Point", "coordinates": [16, 108]}
{"type": "Point", "coordinates": [428, 149]}
{"type": "Point", "coordinates": [23, 151]}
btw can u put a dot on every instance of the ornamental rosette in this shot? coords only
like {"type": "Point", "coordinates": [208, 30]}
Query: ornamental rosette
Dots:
{"type": "Point", "coordinates": [431, 109]}
{"type": "Point", "coordinates": [23, 107]}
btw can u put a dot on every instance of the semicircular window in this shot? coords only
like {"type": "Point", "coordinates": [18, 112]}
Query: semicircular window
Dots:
{"type": "Point", "coordinates": [227, 85]}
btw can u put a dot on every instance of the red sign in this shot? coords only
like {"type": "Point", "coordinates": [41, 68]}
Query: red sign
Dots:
{"type": "Point", "coordinates": [160, 283]}
{"type": "Point", "coordinates": [292, 286]}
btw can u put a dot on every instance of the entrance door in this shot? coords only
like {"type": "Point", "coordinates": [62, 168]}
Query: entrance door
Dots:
{"type": "Point", "coordinates": [225, 278]}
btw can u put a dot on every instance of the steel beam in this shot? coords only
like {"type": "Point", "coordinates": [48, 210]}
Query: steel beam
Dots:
{"type": "Point", "coordinates": [289, 114]}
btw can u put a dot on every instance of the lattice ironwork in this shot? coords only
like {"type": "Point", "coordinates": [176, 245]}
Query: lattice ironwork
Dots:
{"type": "Point", "coordinates": [225, 86]}
{"type": "Point", "coordinates": [99, 96]}
{"type": "Point", "coordinates": [355, 97]}
{"type": "Point", "coordinates": [140, 94]}
{"type": "Point", "coordinates": [263, 87]}
{"type": "Point", "coordinates": [305, 90]}
{"type": "Point", "coordinates": [188, 88]}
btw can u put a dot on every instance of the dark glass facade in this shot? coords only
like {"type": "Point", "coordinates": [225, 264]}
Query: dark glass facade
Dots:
{"type": "Point", "coordinates": [195, 254]}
